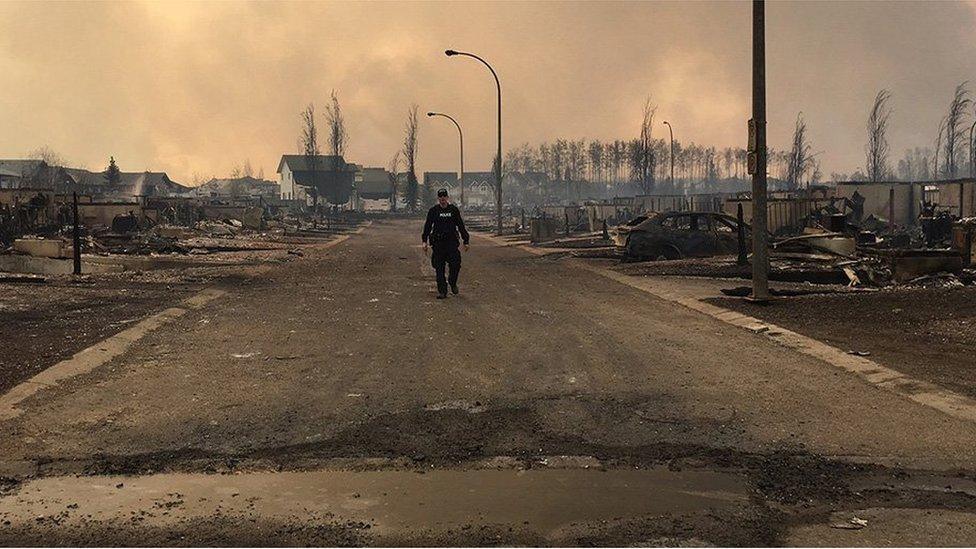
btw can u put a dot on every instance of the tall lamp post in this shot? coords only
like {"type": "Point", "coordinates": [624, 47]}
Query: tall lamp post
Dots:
{"type": "Point", "coordinates": [461, 140]}
{"type": "Point", "coordinates": [671, 156]}
{"type": "Point", "coordinates": [498, 158]}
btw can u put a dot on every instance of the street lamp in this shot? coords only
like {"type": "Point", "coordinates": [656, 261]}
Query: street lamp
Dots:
{"type": "Point", "coordinates": [671, 131]}
{"type": "Point", "coordinates": [461, 140]}
{"type": "Point", "coordinates": [498, 158]}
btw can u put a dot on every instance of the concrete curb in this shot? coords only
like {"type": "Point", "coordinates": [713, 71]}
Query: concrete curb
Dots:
{"type": "Point", "coordinates": [100, 353]}
{"type": "Point", "coordinates": [88, 359]}
{"type": "Point", "coordinates": [921, 392]}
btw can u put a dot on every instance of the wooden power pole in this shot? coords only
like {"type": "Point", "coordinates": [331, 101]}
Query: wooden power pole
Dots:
{"type": "Point", "coordinates": [757, 155]}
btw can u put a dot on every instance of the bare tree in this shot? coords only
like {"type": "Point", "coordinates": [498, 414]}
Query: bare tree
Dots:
{"type": "Point", "coordinates": [411, 129]}
{"type": "Point", "coordinates": [44, 174]}
{"type": "Point", "coordinates": [727, 157]}
{"type": "Point", "coordinates": [800, 157]}
{"type": "Point", "coordinates": [310, 148]}
{"type": "Point", "coordinates": [915, 165]}
{"type": "Point", "coordinates": [337, 126]}
{"type": "Point", "coordinates": [595, 152]}
{"type": "Point", "coordinates": [246, 169]}
{"type": "Point", "coordinates": [642, 152]}
{"type": "Point", "coordinates": [877, 147]}
{"type": "Point", "coordinates": [393, 168]}
{"type": "Point", "coordinates": [199, 179]}
{"type": "Point", "coordinates": [577, 165]}
{"type": "Point", "coordinates": [560, 154]}
{"type": "Point", "coordinates": [619, 158]}
{"type": "Point", "coordinates": [953, 129]}
{"type": "Point", "coordinates": [48, 155]}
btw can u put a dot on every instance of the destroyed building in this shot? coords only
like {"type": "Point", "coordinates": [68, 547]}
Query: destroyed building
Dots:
{"type": "Point", "coordinates": [29, 173]}
{"type": "Point", "coordinates": [901, 202]}
{"type": "Point", "coordinates": [238, 187]}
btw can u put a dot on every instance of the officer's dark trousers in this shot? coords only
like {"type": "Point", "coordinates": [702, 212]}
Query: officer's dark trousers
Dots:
{"type": "Point", "coordinates": [450, 257]}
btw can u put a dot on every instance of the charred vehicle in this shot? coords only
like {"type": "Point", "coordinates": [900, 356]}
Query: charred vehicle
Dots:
{"type": "Point", "coordinates": [619, 233]}
{"type": "Point", "coordinates": [676, 235]}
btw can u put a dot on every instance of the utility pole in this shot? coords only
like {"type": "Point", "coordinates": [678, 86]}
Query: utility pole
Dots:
{"type": "Point", "coordinates": [760, 255]}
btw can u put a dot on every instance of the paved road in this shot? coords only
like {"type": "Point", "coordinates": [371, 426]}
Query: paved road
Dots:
{"type": "Point", "coordinates": [329, 385]}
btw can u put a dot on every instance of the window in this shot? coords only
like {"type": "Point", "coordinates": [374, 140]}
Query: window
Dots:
{"type": "Point", "coordinates": [678, 223]}
{"type": "Point", "coordinates": [723, 225]}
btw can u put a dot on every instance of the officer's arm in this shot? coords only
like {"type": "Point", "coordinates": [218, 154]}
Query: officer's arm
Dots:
{"type": "Point", "coordinates": [464, 232]}
{"type": "Point", "coordinates": [427, 226]}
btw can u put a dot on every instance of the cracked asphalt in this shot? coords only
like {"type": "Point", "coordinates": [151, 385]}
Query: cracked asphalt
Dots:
{"type": "Point", "coordinates": [343, 362]}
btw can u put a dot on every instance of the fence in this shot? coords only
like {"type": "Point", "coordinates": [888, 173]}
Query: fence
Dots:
{"type": "Point", "coordinates": [785, 214]}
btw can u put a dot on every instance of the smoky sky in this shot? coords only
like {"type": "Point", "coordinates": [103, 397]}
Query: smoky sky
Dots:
{"type": "Point", "coordinates": [196, 88]}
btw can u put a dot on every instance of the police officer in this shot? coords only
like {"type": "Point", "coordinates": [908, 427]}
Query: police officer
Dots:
{"type": "Point", "coordinates": [441, 233]}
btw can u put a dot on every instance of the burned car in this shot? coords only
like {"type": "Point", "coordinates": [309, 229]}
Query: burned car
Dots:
{"type": "Point", "coordinates": [619, 233]}
{"type": "Point", "coordinates": [676, 235]}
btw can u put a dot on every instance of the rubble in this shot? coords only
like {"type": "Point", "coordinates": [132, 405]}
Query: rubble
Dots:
{"type": "Point", "coordinates": [55, 248]}
{"type": "Point", "coordinates": [836, 244]}
{"type": "Point", "coordinates": [155, 236]}
{"type": "Point", "coordinates": [22, 279]}
{"type": "Point", "coordinates": [938, 280]}
{"type": "Point", "coordinates": [874, 253]}
{"type": "Point", "coordinates": [909, 264]}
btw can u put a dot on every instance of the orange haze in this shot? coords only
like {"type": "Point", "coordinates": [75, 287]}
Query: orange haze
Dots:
{"type": "Point", "coordinates": [196, 88]}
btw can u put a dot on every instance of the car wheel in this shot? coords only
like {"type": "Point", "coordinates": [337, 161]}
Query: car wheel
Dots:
{"type": "Point", "coordinates": [668, 252]}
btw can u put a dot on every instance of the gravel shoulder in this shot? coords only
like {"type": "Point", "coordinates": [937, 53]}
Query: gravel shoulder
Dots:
{"type": "Point", "coordinates": [926, 333]}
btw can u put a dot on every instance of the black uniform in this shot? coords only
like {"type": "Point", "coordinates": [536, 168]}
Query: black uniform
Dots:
{"type": "Point", "coordinates": [441, 232]}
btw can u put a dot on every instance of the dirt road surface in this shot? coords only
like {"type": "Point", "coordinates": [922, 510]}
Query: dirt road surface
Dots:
{"type": "Point", "coordinates": [336, 402]}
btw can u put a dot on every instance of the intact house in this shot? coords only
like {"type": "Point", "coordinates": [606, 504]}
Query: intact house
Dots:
{"type": "Point", "coordinates": [373, 191]}
{"type": "Point", "coordinates": [443, 180]}
{"type": "Point", "coordinates": [331, 175]}
{"type": "Point", "coordinates": [479, 187]}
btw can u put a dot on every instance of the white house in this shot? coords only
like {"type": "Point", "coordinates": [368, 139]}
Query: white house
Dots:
{"type": "Point", "coordinates": [479, 187]}
{"type": "Point", "coordinates": [286, 182]}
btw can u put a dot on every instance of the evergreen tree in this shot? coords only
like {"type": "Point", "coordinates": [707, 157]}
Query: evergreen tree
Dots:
{"type": "Point", "coordinates": [112, 173]}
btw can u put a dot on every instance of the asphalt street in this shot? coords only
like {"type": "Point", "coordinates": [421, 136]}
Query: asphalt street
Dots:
{"type": "Point", "coordinates": [333, 400]}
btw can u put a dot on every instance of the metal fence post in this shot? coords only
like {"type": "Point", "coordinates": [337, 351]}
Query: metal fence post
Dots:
{"type": "Point", "coordinates": [743, 259]}
{"type": "Point", "coordinates": [76, 235]}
